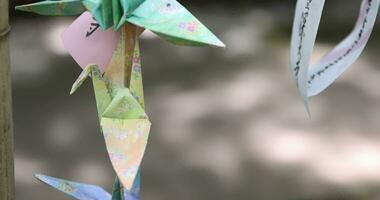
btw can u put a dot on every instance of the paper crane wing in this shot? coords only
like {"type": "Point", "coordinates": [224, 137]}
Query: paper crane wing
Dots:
{"type": "Point", "coordinates": [102, 10]}
{"type": "Point", "coordinates": [106, 12]}
{"type": "Point", "coordinates": [62, 7]}
{"type": "Point", "coordinates": [79, 191]}
{"type": "Point", "coordinates": [170, 20]}
{"type": "Point", "coordinates": [167, 18]}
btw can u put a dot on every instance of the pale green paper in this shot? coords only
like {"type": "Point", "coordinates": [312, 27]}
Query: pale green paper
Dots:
{"type": "Point", "coordinates": [167, 18]}
{"type": "Point", "coordinates": [120, 103]}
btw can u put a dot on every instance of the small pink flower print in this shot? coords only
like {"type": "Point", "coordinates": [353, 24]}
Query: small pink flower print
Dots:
{"type": "Point", "coordinates": [192, 26]}
{"type": "Point", "coordinates": [136, 59]}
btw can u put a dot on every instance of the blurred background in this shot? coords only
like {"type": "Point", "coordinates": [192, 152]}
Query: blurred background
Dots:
{"type": "Point", "coordinates": [227, 123]}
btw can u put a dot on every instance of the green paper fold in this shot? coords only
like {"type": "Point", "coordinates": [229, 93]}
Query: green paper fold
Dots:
{"type": "Point", "coordinates": [63, 7]}
{"type": "Point", "coordinates": [167, 18]}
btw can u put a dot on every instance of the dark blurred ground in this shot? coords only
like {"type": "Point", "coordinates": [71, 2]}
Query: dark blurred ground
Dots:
{"type": "Point", "coordinates": [227, 123]}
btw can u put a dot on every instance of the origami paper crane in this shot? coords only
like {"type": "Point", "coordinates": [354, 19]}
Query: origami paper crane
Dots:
{"type": "Point", "coordinates": [112, 59]}
{"type": "Point", "coordinates": [313, 80]}
{"type": "Point", "coordinates": [167, 18]}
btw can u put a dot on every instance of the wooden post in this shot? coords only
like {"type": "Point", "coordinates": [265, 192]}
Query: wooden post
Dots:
{"type": "Point", "coordinates": [6, 129]}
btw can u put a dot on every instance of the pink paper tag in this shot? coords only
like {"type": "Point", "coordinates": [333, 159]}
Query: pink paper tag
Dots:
{"type": "Point", "coordinates": [88, 44]}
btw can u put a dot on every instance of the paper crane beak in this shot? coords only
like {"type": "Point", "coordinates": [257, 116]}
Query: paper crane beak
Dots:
{"type": "Point", "coordinates": [171, 21]}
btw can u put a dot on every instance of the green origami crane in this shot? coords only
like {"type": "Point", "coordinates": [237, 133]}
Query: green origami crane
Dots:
{"type": "Point", "coordinates": [120, 104]}
{"type": "Point", "coordinates": [167, 18]}
{"type": "Point", "coordinates": [119, 91]}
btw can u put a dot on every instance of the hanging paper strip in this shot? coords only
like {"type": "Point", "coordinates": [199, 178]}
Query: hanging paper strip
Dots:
{"type": "Point", "coordinates": [312, 79]}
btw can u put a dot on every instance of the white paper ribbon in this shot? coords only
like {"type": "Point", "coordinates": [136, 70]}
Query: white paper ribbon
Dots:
{"type": "Point", "coordinates": [313, 80]}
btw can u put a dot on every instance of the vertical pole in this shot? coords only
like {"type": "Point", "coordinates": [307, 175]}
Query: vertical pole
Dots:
{"type": "Point", "coordinates": [6, 129]}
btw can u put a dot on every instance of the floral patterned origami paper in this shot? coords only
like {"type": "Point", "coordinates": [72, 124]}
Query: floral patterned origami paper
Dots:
{"type": "Point", "coordinates": [112, 59]}
{"type": "Point", "coordinates": [167, 18]}
{"type": "Point", "coordinates": [91, 192]}
{"type": "Point", "coordinates": [311, 80]}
